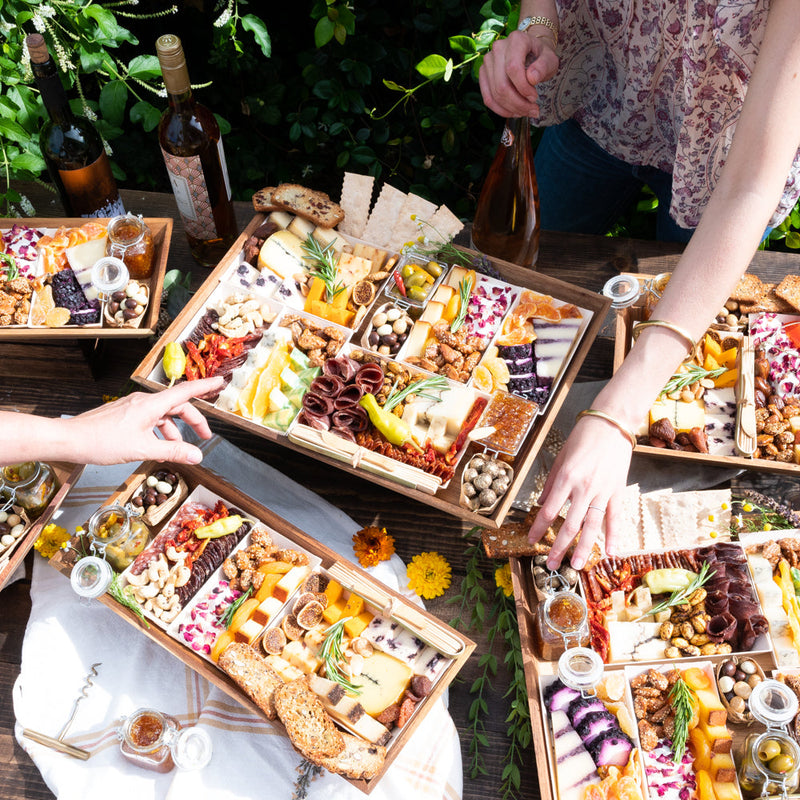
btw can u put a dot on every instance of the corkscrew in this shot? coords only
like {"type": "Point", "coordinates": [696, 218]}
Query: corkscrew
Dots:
{"type": "Point", "coordinates": [58, 743]}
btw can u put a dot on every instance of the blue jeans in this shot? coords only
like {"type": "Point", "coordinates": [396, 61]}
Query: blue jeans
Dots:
{"type": "Point", "coordinates": [584, 189]}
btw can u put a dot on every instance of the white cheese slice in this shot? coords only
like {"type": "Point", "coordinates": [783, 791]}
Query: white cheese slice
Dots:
{"type": "Point", "coordinates": [283, 219]}
{"type": "Point", "coordinates": [283, 254]}
{"type": "Point", "coordinates": [635, 641]}
{"type": "Point", "coordinates": [382, 682]}
{"type": "Point", "coordinates": [84, 255]}
{"type": "Point", "coordinates": [302, 228]}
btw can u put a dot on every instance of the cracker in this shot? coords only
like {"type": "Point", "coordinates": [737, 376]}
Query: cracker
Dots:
{"type": "Point", "coordinates": [651, 519]}
{"type": "Point", "coordinates": [771, 302]}
{"type": "Point", "coordinates": [406, 227]}
{"type": "Point", "coordinates": [511, 540]}
{"type": "Point", "coordinates": [678, 512]}
{"type": "Point", "coordinates": [631, 539]}
{"type": "Point", "coordinates": [356, 201]}
{"type": "Point", "coordinates": [749, 289]}
{"type": "Point", "coordinates": [789, 290]}
{"type": "Point", "coordinates": [446, 223]}
{"type": "Point", "coordinates": [383, 216]}
{"type": "Point", "coordinates": [262, 200]}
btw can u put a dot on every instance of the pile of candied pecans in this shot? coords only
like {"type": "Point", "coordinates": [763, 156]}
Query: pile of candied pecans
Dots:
{"type": "Point", "coordinates": [775, 434]}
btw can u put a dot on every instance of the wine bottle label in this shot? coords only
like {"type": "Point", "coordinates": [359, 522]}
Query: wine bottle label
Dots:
{"type": "Point", "coordinates": [224, 165]}
{"type": "Point", "coordinates": [191, 194]}
{"type": "Point", "coordinates": [92, 190]}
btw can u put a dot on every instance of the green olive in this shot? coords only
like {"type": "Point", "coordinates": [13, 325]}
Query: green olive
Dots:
{"type": "Point", "coordinates": [434, 268]}
{"type": "Point", "coordinates": [417, 293]}
{"type": "Point", "coordinates": [417, 279]}
{"type": "Point", "coordinates": [769, 750]}
{"type": "Point", "coordinates": [408, 270]}
{"type": "Point", "coordinates": [782, 764]}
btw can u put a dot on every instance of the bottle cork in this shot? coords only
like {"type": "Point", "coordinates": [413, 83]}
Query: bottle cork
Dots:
{"type": "Point", "coordinates": [37, 48]}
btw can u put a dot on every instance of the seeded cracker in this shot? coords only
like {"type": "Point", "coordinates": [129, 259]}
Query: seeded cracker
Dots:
{"type": "Point", "coordinates": [789, 290]}
{"type": "Point", "coordinates": [384, 215]}
{"type": "Point", "coordinates": [356, 201]}
{"type": "Point", "coordinates": [405, 228]}
{"type": "Point", "coordinates": [749, 289]}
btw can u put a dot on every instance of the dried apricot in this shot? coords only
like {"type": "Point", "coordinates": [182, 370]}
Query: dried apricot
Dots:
{"type": "Point", "coordinates": [57, 317]}
{"type": "Point", "coordinates": [482, 379]}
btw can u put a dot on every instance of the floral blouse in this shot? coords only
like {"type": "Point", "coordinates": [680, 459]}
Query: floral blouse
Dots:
{"type": "Point", "coordinates": [661, 83]}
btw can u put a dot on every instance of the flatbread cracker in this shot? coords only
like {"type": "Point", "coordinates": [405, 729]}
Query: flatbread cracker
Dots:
{"type": "Point", "coordinates": [446, 223]}
{"type": "Point", "coordinates": [356, 201]}
{"type": "Point", "coordinates": [406, 228]}
{"type": "Point", "coordinates": [749, 289]}
{"type": "Point", "coordinates": [679, 512]}
{"type": "Point", "coordinates": [651, 519]}
{"type": "Point", "coordinates": [383, 216]}
{"type": "Point", "coordinates": [789, 290]}
{"type": "Point", "coordinates": [631, 539]}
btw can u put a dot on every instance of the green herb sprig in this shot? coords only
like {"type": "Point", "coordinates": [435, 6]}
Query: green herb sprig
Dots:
{"type": "Point", "coordinates": [422, 388]}
{"type": "Point", "coordinates": [464, 290]}
{"type": "Point", "coordinates": [694, 373]}
{"type": "Point", "coordinates": [333, 655]}
{"type": "Point", "coordinates": [124, 596]}
{"type": "Point", "coordinates": [8, 267]}
{"type": "Point", "coordinates": [324, 266]}
{"type": "Point", "coordinates": [682, 699]}
{"type": "Point", "coordinates": [439, 248]}
{"type": "Point", "coordinates": [225, 618]}
{"type": "Point", "coordinates": [682, 595]}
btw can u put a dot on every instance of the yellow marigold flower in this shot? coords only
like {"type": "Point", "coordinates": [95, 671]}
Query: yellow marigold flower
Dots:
{"type": "Point", "coordinates": [429, 575]}
{"type": "Point", "coordinates": [51, 540]}
{"type": "Point", "coordinates": [502, 578]}
{"type": "Point", "coordinates": [110, 398]}
{"type": "Point", "coordinates": [747, 507]}
{"type": "Point", "coordinates": [372, 545]}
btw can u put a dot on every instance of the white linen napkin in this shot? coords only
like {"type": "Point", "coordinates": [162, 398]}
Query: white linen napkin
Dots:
{"type": "Point", "coordinates": [252, 757]}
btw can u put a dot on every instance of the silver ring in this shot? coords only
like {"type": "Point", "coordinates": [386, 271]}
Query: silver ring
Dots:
{"type": "Point", "coordinates": [598, 508]}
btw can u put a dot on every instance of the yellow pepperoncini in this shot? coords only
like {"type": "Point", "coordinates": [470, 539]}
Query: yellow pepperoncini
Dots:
{"type": "Point", "coordinates": [394, 429]}
{"type": "Point", "coordinates": [174, 361]}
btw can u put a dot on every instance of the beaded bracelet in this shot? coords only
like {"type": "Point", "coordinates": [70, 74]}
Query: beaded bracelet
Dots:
{"type": "Point", "coordinates": [670, 326]}
{"type": "Point", "coordinates": [593, 412]}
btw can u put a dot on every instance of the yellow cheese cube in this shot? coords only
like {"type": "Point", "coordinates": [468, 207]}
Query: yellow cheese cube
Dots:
{"type": "Point", "coordinates": [334, 611]}
{"type": "Point", "coordinates": [354, 606]}
{"type": "Point", "coordinates": [728, 357]}
{"type": "Point", "coordinates": [727, 379]}
{"type": "Point", "coordinates": [333, 591]}
{"type": "Point", "coordinates": [267, 610]}
{"type": "Point", "coordinates": [290, 581]}
{"type": "Point", "coordinates": [727, 791]}
{"type": "Point", "coordinates": [302, 657]}
{"type": "Point", "coordinates": [249, 632]}
{"type": "Point", "coordinates": [355, 625]}
{"type": "Point", "coordinates": [722, 769]}
{"type": "Point", "coordinates": [284, 668]}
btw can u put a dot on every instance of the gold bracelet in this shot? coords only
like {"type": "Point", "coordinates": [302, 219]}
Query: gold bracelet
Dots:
{"type": "Point", "coordinates": [551, 36]}
{"type": "Point", "coordinates": [670, 326]}
{"type": "Point", "coordinates": [547, 22]}
{"type": "Point", "coordinates": [593, 412]}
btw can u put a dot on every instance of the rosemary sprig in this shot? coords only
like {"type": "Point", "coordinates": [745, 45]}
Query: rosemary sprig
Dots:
{"type": "Point", "coordinates": [225, 618]}
{"type": "Point", "coordinates": [324, 266]}
{"type": "Point", "coordinates": [8, 267]}
{"type": "Point", "coordinates": [682, 700]}
{"type": "Point", "coordinates": [694, 373]}
{"type": "Point", "coordinates": [332, 655]}
{"type": "Point", "coordinates": [421, 388]}
{"type": "Point", "coordinates": [682, 595]}
{"type": "Point", "coordinates": [464, 289]}
{"type": "Point", "coordinates": [125, 597]}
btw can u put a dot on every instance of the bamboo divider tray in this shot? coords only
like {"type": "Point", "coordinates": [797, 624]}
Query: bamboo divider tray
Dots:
{"type": "Point", "coordinates": [389, 602]}
{"type": "Point", "coordinates": [444, 499]}
{"type": "Point", "coordinates": [68, 475]}
{"type": "Point", "coordinates": [626, 319]}
{"type": "Point", "coordinates": [161, 228]}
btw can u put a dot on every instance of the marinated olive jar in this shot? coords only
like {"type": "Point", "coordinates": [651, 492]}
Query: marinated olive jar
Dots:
{"type": "Point", "coordinates": [30, 485]}
{"type": "Point", "coordinates": [771, 760]}
{"type": "Point", "coordinates": [118, 535]}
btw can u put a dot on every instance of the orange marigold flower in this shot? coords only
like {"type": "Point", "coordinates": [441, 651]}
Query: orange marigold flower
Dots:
{"type": "Point", "coordinates": [372, 545]}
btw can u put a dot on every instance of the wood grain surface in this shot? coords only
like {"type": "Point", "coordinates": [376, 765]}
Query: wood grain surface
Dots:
{"type": "Point", "coordinates": [70, 377]}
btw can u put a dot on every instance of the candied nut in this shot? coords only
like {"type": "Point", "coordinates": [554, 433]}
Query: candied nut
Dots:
{"type": "Point", "coordinates": [672, 652]}
{"type": "Point", "coordinates": [666, 631]}
{"type": "Point", "coordinates": [691, 650]}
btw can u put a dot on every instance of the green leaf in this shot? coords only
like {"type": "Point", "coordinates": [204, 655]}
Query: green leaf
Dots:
{"type": "Point", "coordinates": [463, 44]}
{"type": "Point", "coordinates": [224, 125]}
{"type": "Point", "coordinates": [347, 19]}
{"type": "Point", "coordinates": [110, 32]}
{"type": "Point", "coordinates": [92, 56]}
{"type": "Point", "coordinates": [432, 66]}
{"type": "Point", "coordinates": [793, 240]}
{"type": "Point", "coordinates": [11, 130]}
{"type": "Point", "coordinates": [144, 67]}
{"type": "Point", "coordinates": [395, 87]}
{"type": "Point", "coordinates": [113, 97]}
{"type": "Point", "coordinates": [323, 32]}
{"type": "Point", "coordinates": [147, 114]}
{"type": "Point", "coordinates": [254, 24]}
{"type": "Point", "coordinates": [342, 159]}
{"type": "Point", "coordinates": [340, 33]}
{"type": "Point", "coordinates": [29, 161]}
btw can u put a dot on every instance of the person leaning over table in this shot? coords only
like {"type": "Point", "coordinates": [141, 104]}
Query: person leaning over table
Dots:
{"type": "Point", "coordinates": [113, 433]}
{"type": "Point", "coordinates": [703, 93]}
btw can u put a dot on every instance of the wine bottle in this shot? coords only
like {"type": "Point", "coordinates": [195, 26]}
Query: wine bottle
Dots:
{"type": "Point", "coordinates": [506, 223]}
{"type": "Point", "coordinates": [192, 148]}
{"type": "Point", "coordinates": [71, 146]}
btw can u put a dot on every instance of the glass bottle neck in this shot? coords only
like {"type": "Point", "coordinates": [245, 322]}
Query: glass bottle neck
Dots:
{"type": "Point", "coordinates": [53, 95]}
{"type": "Point", "coordinates": [182, 102]}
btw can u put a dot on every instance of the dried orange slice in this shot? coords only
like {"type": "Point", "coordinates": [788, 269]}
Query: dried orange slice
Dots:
{"type": "Point", "coordinates": [57, 317]}
{"type": "Point", "coordinates": [499, 370]}
{"type": "Point", "coordinates": [42, 304]}
{"type": "Point", "coordinates": [482, 379]}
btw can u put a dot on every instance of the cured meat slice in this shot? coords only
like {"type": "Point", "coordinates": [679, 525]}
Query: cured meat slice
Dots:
{"type": "Point", "coordinates": [326, 386]}
{"type": "Point", "coordinates": [370, 378]}
{"type": "Point", "coordinates": [349, 396]}
{"type": "Point", "coordinates": [317, 405]}
{"type": "Point", "coordinates": [320, 422]}
{"type": "Point", "coordinates": [353, 419]}
{"type": "Point", "coordinates": [342, 367]}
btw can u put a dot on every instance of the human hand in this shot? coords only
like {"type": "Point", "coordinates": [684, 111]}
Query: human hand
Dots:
{"type": "Point", "coordinates": [510, 71]}
{"type": "Point", "coordinates": [125, 429]}
{"type": "Point", "coordinates": [590, 471]}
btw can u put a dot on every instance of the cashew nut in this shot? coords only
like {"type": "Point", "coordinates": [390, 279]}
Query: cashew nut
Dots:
{"type": "Point", "coordinates": [148, 604]}
{"type": "Point", "coordinates": [174, 555]}
{"type": "Point", "coordinates": [168, 616]}
{"type": "Point", "coordinates": [162, 602]}
{"type": "Point", "coordinates": [182, 576]}
{"type": "Point", "coordinates": [168, 590]}
{"type": "Point", "coordinates": [137, 580]}
{"type": "Point", "coordinates": [138, 596]}
{"type": "Point", "coordinates": [151, 590]}
{"type": "Point", "coordinates": [157, 612]}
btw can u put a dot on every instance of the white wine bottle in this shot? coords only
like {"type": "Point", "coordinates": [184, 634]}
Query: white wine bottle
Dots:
{"type": "Point", "coordinates": [71, 146]}
{"type": "Point", "coordinates": [192, 148]}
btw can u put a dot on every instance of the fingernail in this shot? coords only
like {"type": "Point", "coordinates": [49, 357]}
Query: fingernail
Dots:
{"type": "Point", "coordinates": [195, 457]}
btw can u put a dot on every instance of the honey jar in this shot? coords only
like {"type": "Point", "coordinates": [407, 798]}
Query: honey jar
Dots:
{"type": "Point", "coordinates": [30, 484]}
{"type": "Point", "coordinates": [130, 239]}
{"type": "Point", "coordinates": [562, 620]}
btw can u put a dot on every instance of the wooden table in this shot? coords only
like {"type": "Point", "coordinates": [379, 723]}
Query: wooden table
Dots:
{"type": "Point", "coordinates": [68, 377]}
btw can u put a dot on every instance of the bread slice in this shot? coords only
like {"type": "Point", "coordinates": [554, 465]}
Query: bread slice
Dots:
{"type": "Point", "coordinates": [310, 204]}
{"type": "Point", "coordinates": [789, 290]}
{"type": "Point", "coordinates": [262, 200]}
{"type": "Point", "coordinates": [749, 289]}
{"type": "Point", "coordinates": [252, 673]}
{"type": "Point", "coordinates": [359, 760]}
{"type": "Point", "coordinates": [310, 729]}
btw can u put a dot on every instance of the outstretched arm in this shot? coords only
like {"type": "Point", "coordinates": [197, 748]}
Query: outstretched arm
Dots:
{"type": "Point", "coordinates": [112, 433]}
{"type": "Point", "coordinates": [591, 469]}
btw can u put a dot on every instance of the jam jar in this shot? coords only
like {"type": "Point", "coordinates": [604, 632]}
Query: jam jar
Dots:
{"type": "Point", "coordinates": [562, 619]}
{"type": "Point", "coordinates": [130, 239]}
{"type": "Point", "coordinates": [118, 535]}
{"type": "Point", "coordinates": [154, 740]}
{"type": "Point", "coordinates": [30, 485]}
{"type": "Point", "coordinates": [771, 760]}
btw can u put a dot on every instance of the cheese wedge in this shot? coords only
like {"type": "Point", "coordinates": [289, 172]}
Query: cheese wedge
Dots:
{"type": "Point", "coordinates": [283, 254]}
{"type": "Point", "coordinates": [382, 682]}
{"type": "Point", "coordinates": [302, 228]}
{"type": "Point", "coordinates": [290, 581]}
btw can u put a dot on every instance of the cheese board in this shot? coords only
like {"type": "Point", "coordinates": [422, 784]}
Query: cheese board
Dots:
{"type": "Point", "coordinates": [490, 360]}
{"type": "Point", "coordinates": [256, 607]}
{"type": "Point", "coordinates": [51, 294]}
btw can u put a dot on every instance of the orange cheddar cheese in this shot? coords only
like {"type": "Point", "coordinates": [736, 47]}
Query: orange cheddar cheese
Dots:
{"type": "Point", "coordinates": [356, 625]}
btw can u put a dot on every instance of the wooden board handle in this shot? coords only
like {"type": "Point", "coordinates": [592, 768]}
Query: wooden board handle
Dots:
{"type": "Point", "coordinates": [746, 400]}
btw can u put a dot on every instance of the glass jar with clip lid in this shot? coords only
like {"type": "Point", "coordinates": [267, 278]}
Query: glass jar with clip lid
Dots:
{"type": "Point", "coordinates": [118, 534]}
{"type": "Point", "coordinates": [30, 485]}
{"type": "Point", "coordinates": [771, 760]}
{"type": "Point", "coordinates": [562, 619]}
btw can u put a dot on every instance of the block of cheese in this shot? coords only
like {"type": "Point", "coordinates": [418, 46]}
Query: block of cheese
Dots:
{"type": "Point", "coordinates": [350, 269]}
{"type": "Point", "coordinates": [84, 255]}
{"type": "Point", "coordinates": [356, 624]}
{"type": "Point", "coordinates": [334, 611]}
{"type": "Point", "coordinates": [283, 219]}
{"type": "Point", "coordinates": [382, 682]}
{"type": "Point", "coordinates": [354, 606]}
{"type": "Point", "coordinates": [249, 632]}
{"type": "Point", "coordinates": [283, 254]}
{"type": "Point", "coordinates": [347, 711]}
{"type": "Point", "coordinates": [299, 655]}
{"type": "Point", "coordinates": [415, 343]}
{"type": "Point", "coordinates": [574, 766]}
{"type": "Point", "coordinates": [333, 591]}
{"type": "Point", "coordinates": [286, 670]}
{"type": "Point", "coordinates": [302, 228]}
{"type": "Point", "coordinates": [330, 237]}
{"type": "Point", "coordinates": [433, 312]}
{"type": "Point", "coordinates": [267, 610]}
{"type": "Point", "coordinates": [683, 416]}
{"type": "Point", "coordinates": [290, 581]}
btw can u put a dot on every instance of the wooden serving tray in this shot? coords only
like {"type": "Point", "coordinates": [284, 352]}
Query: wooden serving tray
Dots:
{"type": "Point", "coordinates": [351, 576]}
{"type": "Point", "coordinates": [626, 319]}
{"type": "Point", "coordinates": [445, 499]}
{"type": "Point", "coordinates": [68, 475]}
{"type": "Point", "coordinates": [161, 229]}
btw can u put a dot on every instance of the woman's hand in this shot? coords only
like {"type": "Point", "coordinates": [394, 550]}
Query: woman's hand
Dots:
{"type": "Point", "coordinates": [590, 472]}
{"type": "Point", "coordinates": [125, 430]}
{"type": "Point", "coordinates": [511, 70]}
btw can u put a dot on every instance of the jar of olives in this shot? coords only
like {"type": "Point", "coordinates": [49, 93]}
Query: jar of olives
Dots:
{"type": "Point", "coordinates": [771, 760]}
{"type": "Point", "coordinates": [30, 485]}
{"type": "Point", "coordinates": [118, 535]}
